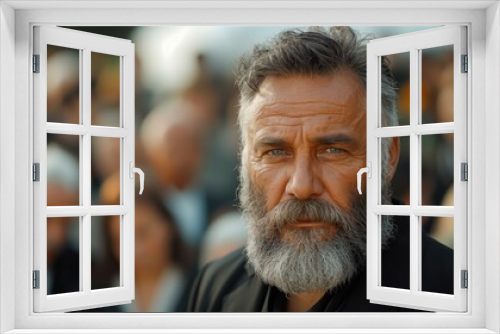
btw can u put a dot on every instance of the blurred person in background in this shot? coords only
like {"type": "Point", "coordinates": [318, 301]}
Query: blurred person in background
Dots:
{"type": "Point", "coordinates": [443, 226]}
{"type": "Point", "coordinates": [173, 146]}
{"type": "Point", "coordinates": [161, 258]}
{"type": "Point", "coordinates": [63, 93]}
{"type": "Point", "coordinates": [105, 87]}
{"type": "Point", "coordinates": [63, 88]}
{"type": "Point", "coordinates": [207, 95]}
{"type": "Point", "coordinates": [105, 162]}
{"type": "Point", "coordinates": [226, 233]}
{"type": "Point", "coordinates": [63, 260]}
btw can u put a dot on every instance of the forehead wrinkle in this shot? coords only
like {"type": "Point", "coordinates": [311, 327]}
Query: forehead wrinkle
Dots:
{"type": "Point", "coordinates": [300, 109]}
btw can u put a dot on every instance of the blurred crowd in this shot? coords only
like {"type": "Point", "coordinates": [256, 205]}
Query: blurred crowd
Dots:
{"type": "Point", "coordinates": [187, 145]}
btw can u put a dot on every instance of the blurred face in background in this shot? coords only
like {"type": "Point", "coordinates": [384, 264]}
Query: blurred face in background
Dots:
{"type": "Point", "coordinates": [173, 145]}
{"type": "Point", "coordinates": [152, 239]}
{"type": "Point", "coordinates": [107, 155]}
{"type": "Point", "coordinates": [182, 154]}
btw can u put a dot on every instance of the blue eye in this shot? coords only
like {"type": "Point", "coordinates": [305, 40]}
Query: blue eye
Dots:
{"type": "Point", "coordinates": [276, 152]}
{"type": "Point", "coordinates": [334, 150]}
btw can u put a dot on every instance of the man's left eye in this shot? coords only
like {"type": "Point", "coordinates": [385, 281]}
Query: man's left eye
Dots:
{"type": "Point", "coordinates": [334, 150]}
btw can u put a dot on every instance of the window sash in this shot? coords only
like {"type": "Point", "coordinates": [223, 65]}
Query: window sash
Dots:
{"type": "Point", "coordinates": [413, 298]}
{"type": "Point", "coordinates": [86, 43]}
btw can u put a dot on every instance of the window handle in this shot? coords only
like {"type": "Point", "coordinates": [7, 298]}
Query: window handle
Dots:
{"type": "Point", "coordinates": [368, 171]}
{"type": "Point", "coordinates": [133, 170]}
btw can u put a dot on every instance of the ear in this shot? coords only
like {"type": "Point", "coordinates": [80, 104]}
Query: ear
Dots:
{"type": "Point", "coordinates": [393, 158]}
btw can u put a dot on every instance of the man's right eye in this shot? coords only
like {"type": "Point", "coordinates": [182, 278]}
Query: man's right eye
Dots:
{"type": "Point", "coordinates": [275, 152]}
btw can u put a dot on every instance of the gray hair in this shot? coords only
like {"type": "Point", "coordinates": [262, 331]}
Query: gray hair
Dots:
{"type": "Point", "coordinates": [313, 51]}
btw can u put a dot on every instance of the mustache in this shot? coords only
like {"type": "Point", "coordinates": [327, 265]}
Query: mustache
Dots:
{"type": "Point", "coordinates": [293, 210]}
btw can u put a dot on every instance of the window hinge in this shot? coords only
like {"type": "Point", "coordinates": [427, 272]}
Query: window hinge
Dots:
{"type": "Point", "coordinates": [36, 172]}
{"type": "Point", "coordinates": [36, 63]}
{"type": "Point", "coordinates": [36, 279]}
{"type": "Point", "coordinates": [464, 171]}
{"type": "Point", "coordinates": [465, 64]}
{"type": "Point", "coordinates": [465, 279]}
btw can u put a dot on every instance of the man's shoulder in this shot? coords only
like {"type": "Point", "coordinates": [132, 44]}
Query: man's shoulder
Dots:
{"type": "Point", "coordinates": [436, 261]}
{"type": "Point", "coordinates": [437, 266]}
{"type": "Point", "coordinates": [217, 279]}
{"type": "Point", "coordinates": [228, 267]}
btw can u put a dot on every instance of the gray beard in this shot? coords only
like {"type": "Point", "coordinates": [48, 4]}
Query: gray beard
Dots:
{"type": "Point", "coordinates": [312, 263]}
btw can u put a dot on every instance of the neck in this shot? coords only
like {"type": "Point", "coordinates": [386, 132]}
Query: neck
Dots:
{"type": "Point", "coordinates": [303, 301]}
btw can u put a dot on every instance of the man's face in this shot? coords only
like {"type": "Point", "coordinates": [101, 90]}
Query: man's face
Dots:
{"type": "Point", "coordinates": [307, 140]}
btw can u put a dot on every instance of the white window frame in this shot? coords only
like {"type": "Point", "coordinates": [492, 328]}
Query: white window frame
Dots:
{"type": "Point", "coordinates": [16, 22]}
{"type": "Point", "coordinates": [85, 44]}
{"type": "Point", "coordinates": [414, 43]}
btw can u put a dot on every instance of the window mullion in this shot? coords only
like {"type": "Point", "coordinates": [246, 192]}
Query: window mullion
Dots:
{"type": "Point", "coordinates": [415, 181]}
{"type": "Point", "coordinates": [85, 272]}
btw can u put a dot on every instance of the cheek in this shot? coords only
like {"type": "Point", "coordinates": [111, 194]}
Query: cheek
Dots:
{"type": "Point", "coordinates": [271, 179]}
{"type": "Point", "coordinates": [340, 182]}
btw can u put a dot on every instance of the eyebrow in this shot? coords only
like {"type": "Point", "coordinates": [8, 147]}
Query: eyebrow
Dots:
{"type": "Point", "coordinates": [321, 140]}
{"type": "Point", "coordinates": [270, 141]}
{"type": "Point", "coordinates": [339, 138]}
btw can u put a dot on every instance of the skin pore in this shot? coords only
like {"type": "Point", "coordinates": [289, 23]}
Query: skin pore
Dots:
{"type": "Point", "coordinates": [306, 138]}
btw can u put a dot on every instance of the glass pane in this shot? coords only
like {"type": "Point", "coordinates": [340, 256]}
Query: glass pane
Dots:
{"type": "Point", "coordinates": [437, 85]}
{"type": "Point", "coordinates": [105, 252]}
{"type": "Point", "coordinates": [63, 255]}
{"type": "Point", "coordinates": [438, 229]}
{"type": "Point", "coordinates": [63, 170]}
{"type": "Point", "coordinates": [106, 171]}
{"type": "Point", "coordinates": [63, 85]}
{"type": "Point", "coordinates": [437, 169]}
{"type": "Point", "coordinates": [401, 180]}
{"type": "Point", "coordinates": [105, 89]}
{"type": "Point", "coordinates": [401, 70]}
{"type": "Point", "coordinates": [396, 252]}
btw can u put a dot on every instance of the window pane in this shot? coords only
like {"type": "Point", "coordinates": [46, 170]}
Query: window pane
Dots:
{"type": "Point", "coordinates": [437, 169]}
{"type": "Point", "coordinates": [396, 265]}
{"type": "Point", "coordinates": [401, 69]}
{"type": "Point", "coordinates": [437, 85]}
{"type": "Point", "coordinates": [63, 255]}
{"type": "Point", "coordinates": [106, 171]}
{"type": "Point", "coordinates": [106, 250]}
{"type": "Point", "coordinates": [105, 89]}
{"type": "Point", "coordinates": [63, 170]}
{"type": "Point", "coordinates": [401, 179]}
{"type": "Point", "coordinates": [439, 229]}
{"type": "Point", "coordinates": [63, 85]}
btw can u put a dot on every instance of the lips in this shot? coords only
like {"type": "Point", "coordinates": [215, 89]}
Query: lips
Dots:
{"type": "Point", "coordinates": [309, 224]}
{"type": "Point", "coordinates": [289, 232]}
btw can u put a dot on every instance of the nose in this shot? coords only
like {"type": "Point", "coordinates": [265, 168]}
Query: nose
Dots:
{"type": "Point", "coordinates": [304, 181]}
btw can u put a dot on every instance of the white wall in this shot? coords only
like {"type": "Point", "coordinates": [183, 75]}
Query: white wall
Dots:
{"type": "Point", "coordinates": [7, 189]}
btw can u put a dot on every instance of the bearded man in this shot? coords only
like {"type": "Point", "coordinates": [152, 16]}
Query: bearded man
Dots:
{"type": "Point", "coordinates": [302, 119]}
